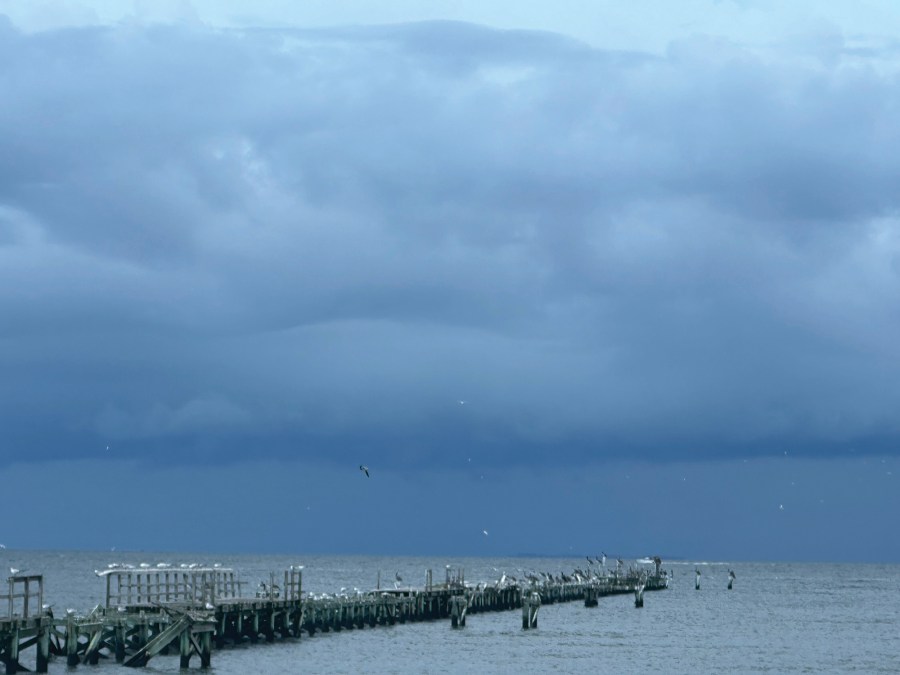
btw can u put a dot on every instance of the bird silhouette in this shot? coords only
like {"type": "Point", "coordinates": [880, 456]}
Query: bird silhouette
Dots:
{"type": "Point", "coordinates": [364, 469]}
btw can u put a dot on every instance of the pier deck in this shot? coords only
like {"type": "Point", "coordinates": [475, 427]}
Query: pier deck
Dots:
{"type": "Point", "coordinates": [150, 611]}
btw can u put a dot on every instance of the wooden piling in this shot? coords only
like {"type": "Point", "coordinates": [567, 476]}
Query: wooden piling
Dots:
{"type": "Point", "coordinates": [43, 647]}
{"type": "Point", "coordinates": [530, 606]}
{"type": "Point", "coordinates": [185, 644]}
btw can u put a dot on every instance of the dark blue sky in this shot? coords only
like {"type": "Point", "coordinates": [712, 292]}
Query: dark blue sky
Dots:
{"type": "Point", "coordinates": [581, 296]}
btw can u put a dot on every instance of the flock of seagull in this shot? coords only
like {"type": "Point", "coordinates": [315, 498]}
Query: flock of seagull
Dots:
{"type": "Point", "coordinates": [117, 567]}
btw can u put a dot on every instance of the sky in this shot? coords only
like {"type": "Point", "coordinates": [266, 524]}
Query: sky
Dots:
{"type": "Point", "coordinates": [586, 276]}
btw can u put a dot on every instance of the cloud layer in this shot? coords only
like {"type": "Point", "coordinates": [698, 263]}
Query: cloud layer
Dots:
{"type": "Point", "coordinates": [413, 241]}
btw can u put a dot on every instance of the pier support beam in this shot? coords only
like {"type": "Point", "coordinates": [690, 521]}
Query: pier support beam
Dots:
{"type": "Point", "coordinates": [590, 596]}
{"type": "Point", "coordinates": [71, 642]}
{"type": "Point", "coordinates": [185, 644]}
{"type": "Point", "coordinates": [205, 649]}
{"type": "Point", "coordinates": [639, 596]}
{"type": "Point", "coordinates": [530, 607]}
{"type": "Point", "coordinates": [12, 652]}
{"type": "Point", "coordinates": [42, 659]}
{"type": "Point", "coordinates": [458, 606]}
{"type": "Point", "coordinates": [120, 643]}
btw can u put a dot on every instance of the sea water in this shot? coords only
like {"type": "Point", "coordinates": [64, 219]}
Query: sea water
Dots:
{"type": "Point", "coordinates": [778, 618]}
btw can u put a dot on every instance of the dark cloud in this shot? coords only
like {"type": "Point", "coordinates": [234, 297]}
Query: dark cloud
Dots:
{"type": "Point", "coordinates": [316, 243]}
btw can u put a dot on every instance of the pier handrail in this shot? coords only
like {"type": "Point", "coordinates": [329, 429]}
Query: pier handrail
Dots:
{"type": "Point", "coordinates": [32, 586]}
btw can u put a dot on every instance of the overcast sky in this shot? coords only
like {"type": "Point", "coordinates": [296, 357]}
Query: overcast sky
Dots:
{"type": "Point", "coordinates": [474, 239]}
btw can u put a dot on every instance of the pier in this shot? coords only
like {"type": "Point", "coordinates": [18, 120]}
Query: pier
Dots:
{"type": "Point", "coordinates": [191, 609]}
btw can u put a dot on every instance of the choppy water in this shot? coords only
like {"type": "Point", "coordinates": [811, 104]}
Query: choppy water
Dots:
{"type": "Point", "coordinates": [780, 618]}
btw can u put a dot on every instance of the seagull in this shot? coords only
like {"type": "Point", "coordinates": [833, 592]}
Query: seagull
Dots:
{"type": "Point", "coordinates": [781, 507]}
{"type": "Point", "coordinates": [14, 571]}
{"type": "Point", "coordinates": [485, 533]}
{"type": "Point", "coordinates": [364, 469]}
{"type": "Point", "coordinates": [461, 402]}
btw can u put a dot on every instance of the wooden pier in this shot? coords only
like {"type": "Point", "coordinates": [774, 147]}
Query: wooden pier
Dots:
{"type": "Point", "coordinates": [191, 609]}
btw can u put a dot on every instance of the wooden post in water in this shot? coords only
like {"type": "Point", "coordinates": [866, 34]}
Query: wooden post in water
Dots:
{"type": "Point", "coordinates": [697, 581]}
{"type": "Point", "coordinates": [43, 648]}
{"type": "Point", "coordinates": [185, 644]}
{"type": "Point", "coordinates": [120, 642]}
{"type": "Point", "coordinates": [12, 655]}
{"type": "Point", "coordinates": [530, 606]}
{"type": "Point", "coordinates": [730, 579]}
{"type": "Point", "coordinates": [71, 640]}
{"type": "Point", "coordinates": [205, 649]}
{"type": "Point", "coordinates": [458, 606]}
{"type": "Point", "coordinates": [639, 595]}
{"type": "Point", "coordinates": [590, 596]}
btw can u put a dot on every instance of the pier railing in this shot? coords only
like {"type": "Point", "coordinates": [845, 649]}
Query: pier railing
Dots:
{"type": "Point", "coordinates": [191, 586]}
{"type": "Point", "coordinates": [25, 596]}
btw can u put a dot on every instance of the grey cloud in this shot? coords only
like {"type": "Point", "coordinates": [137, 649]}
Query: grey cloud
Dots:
{"type": "Point", "coordinates": [312, 242]}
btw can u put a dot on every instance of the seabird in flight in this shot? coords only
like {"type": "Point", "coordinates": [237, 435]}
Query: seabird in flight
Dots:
{"type": "Point", "coordinates": [364, 469]}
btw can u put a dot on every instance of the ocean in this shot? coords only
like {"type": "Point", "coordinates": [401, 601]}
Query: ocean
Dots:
{"type": "Point", "coordinates": [779, 618]}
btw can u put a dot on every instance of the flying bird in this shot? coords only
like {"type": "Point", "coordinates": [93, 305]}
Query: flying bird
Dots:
{"type": "Point", "coordinates": [364, 469]}
{"type": "Point", "coordinates": [485, 533]}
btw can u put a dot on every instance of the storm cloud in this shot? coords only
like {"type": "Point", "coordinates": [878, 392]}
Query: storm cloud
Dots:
{"type": "Point", "coordinates": [412, 241]}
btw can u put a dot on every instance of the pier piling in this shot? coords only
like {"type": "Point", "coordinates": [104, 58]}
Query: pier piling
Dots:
{"type": "Point", "coordinates": [530, 606]}
{"type": "Point", "coordinates": [458, 606]}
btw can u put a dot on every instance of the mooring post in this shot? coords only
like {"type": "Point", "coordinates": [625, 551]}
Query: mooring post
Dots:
{"type": "Point", "coordinates": [697, 580]}
{"type": "Point", "coordinates": [730, 578]}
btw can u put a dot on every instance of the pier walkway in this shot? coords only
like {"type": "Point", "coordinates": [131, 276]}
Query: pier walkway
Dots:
{"type": "Point", "coordinates": [191, 609]}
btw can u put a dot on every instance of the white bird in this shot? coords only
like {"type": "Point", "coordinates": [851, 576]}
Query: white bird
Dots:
{"type": "Point", "coordinates": [14, 571]}
{"type": "Point", "coordinates": [485, 533]}
{"type": "Point", "coordinates": [364, 469]}
{"type": "Point", "coordinates": [145, 565]}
